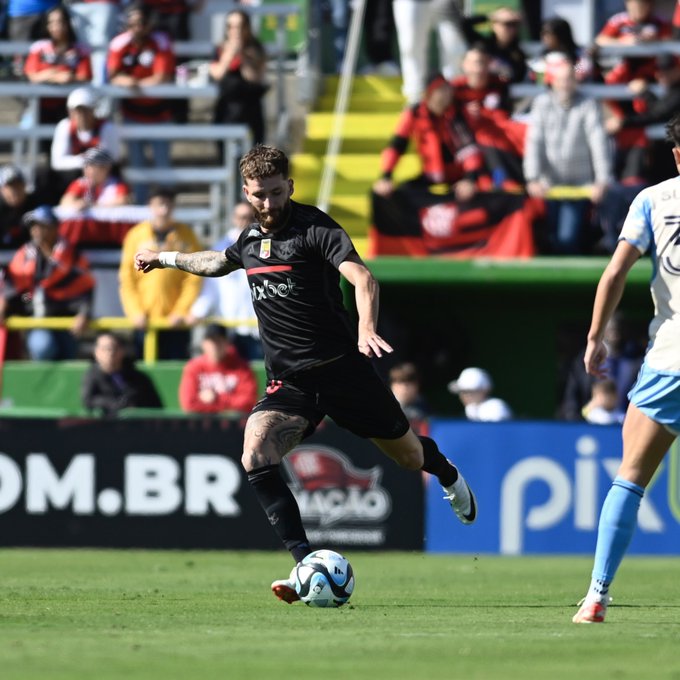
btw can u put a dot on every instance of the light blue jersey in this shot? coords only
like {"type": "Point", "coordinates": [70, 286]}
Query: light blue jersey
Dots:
{"type": "Point", "coordinates": [653, 224]}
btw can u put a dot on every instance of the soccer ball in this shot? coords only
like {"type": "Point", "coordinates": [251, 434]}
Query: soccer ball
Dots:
{"type": "Point", "coordinates": [324, 579]}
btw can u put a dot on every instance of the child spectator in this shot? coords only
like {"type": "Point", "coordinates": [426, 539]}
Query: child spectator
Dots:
{"type": "Point", "coordinates": [405, 385]}
{"type": "Point", "coordinates": [219, 379]}
{"type": "Point", "coordinates": [474, 387]}
{"type": "Point", "coordinates": [113, 383]}
{"type": "Point", "coordinates": [97, 186]}
{"type": "Point", "coordinates": [603, 409]}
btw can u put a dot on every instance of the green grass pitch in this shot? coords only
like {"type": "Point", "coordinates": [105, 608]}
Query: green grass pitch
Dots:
{"type": "Point", "coordinates": [97, 615]}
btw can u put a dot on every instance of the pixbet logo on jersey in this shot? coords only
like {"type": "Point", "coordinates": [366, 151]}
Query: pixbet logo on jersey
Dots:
{"type": "Point", "coordinates": [336, 499]}
{"type": "Point", "coordinates": [269, 289]}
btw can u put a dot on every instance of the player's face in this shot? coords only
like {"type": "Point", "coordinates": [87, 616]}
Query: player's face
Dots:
{"type": "Point", "coordinates": [270, 199]}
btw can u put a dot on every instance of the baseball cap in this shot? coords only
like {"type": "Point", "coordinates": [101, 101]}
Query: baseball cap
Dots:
{"type": "Point", "coordinates": [97, 156]}
{"type": "Point", "coordinates": [10, 174]}
{"type": "Point", "coordinates": [470, 380]}
{"type": "Point", "coordinates": [82, 96]}
{"type": "Point", "coordinates": [215, 331]}
{"type": "Point", "coordinates": [43, 214]}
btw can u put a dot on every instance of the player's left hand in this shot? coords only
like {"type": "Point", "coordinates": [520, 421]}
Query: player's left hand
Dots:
{"type": "Point", "coordinates": [372, 345]}
{"type": "Point", "coordinates": [595, 357]}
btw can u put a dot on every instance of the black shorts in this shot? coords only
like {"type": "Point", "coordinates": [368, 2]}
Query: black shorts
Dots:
{"type": "Point", "coordinates": [348, 390]}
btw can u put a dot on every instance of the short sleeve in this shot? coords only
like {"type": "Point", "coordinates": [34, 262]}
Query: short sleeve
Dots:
{"type": "Point", "coordinates": [637, 228]}
{"type": "Point", "coordinates": [233, 254]}
{"type": "Point", "coordinates": [333, 243]}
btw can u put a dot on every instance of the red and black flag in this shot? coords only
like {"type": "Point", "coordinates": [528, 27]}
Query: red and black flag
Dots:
{"type": "Point", "coordinates": [414, 220]}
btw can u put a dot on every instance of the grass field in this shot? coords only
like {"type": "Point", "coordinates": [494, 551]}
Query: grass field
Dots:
{"type": "Point", "coordinates": [156, 615]}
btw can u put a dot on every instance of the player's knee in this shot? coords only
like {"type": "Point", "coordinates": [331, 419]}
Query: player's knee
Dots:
{"type": "Point", "coordinates": [254, 458]}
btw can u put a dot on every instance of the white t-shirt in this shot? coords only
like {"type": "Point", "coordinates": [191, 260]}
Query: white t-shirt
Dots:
{"type": "Point", "coordinates": [490, 411]}
{"type": "Point", "coordinates": [653, 223]}
{"type": "Point", "coordinates": [61, 154]}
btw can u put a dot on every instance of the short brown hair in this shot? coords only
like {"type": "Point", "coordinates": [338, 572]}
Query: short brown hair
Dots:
{"type": "Point", "coordinates": [404, 372]}
{"type": "Point", "coordinates": [264, 161]}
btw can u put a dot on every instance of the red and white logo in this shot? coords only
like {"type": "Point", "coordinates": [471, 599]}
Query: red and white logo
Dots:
{"type": "Point", "coordinates": [330, 489]}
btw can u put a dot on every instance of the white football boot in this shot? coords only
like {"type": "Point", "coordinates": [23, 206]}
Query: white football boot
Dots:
{"type": "Point", "coordinates": [462, 500]}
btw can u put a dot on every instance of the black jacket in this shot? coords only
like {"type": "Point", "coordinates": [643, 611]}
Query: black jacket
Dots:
{"type": "Point", "coordinates": [109, 393]}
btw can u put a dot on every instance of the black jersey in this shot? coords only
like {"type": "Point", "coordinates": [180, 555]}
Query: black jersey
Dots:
{"type": "Point", "coordinates": [295, 286]}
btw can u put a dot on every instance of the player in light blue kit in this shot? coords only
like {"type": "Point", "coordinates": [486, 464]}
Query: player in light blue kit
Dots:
{"type": "Point", "coordinates": [653, 418]}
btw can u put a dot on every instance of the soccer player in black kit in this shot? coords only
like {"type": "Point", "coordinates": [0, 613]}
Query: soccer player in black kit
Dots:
{"type": "Point", "coordinates": [317, 364]}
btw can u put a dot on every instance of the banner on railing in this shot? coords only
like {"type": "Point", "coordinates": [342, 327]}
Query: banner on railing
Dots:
{"type": "Point", "coordinates": [415, 221]}
{"type": "Point", "coordinates": [178, 483]}
{"type": "Point", "coordinates": [540, 487]}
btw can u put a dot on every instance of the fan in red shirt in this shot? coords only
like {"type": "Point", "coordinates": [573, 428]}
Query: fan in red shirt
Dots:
{"type": "Point", "coordinates": [219, 379]}
{"type": "Point", "coordinates": [142, 57]}
{"type": "Point", "coordinates": [57, 60]}
{"type": "Point", "coordinates": [637, 25]}
{"type": "Point", "coordinates": [445, 146]}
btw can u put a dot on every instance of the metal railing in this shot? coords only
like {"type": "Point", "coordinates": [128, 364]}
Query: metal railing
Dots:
{"type": "Point", "coordinates": [64, 323]}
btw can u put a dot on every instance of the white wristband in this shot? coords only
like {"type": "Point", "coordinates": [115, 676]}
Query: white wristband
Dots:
{"type": "Point", "coordinates": [168, 258]}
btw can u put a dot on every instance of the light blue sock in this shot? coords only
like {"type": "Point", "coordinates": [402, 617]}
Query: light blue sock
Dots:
{"type": "Point", "coordinates": [617, 524]}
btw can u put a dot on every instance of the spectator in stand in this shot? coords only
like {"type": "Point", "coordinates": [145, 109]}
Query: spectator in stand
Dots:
{"type": "Point", "coordinates": [623, 362]}
{"type": "Point", "coordinates": [229, 297]}
{"type": "Point", "coordinates": [603, 409]}
{"type": "Point", "coordinates": [239, 71]}
{"type": "Point", "coordinates": [637, 25]}
{"type": "Point", "coordinates": [168, 296]}
{"type": "Point", "coordinates": [26, 18]}
{"type": "Point", "coordinates": [15, 202]}
{"type": "Point", "coordinates": [652, 109]}
{"type": "Point", "coordinates": [48, 277]}
{"type": "Point", "coordinates": [219, 379]}
{"type": "Point", "coordinates": [478, 88]}
{"type": "Point", "coordinates": [57, 60]}
{"type": "Point", "coordinates": [414, 21]}
{"type": "Point", "coordinates": [405, 385]}
{"type": "Point", "coordinates": [566, 145]}
{"type": "Point", "coordinates": [113, 383]}
{"type": "Point", "coordinates": [558, 44]}
{"type": "Point", "coordinates": [474, 387]}
{"type": "Point", "coordinates": [676, 21]}
{"type": "Point", "coordinates": [508, 61]}
{"type": "Point", "coordinates": [142, 57]}
{"type": "Point", "coordinates": [379, 33]}
{"type": "Point", "coordinates": [78, 133]}
{"type": "Point", "coordinates": [174, 18]}
{"type": "Point", "coordinates": [97, 186]}
{"type": "Point", "coordinates": [96, 23]}
{"type": "Point", "coordinates": [444, 144]}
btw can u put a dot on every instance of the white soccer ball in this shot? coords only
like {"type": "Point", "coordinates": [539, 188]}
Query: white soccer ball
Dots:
{"type": "Point", "coordinates": [324, 579]}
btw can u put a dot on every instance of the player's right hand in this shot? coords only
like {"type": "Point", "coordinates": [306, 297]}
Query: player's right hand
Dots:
{"type": "Point", "coordinates": [146, 260]}
{"type": "Point", "coordinates": [595, 356]}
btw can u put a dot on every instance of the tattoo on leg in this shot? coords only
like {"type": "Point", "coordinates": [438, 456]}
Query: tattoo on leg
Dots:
{"type": "Point", "coordinates": [269, 436]}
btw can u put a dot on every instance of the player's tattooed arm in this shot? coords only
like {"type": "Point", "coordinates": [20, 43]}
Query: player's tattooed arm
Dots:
{"type": "Point", "coordinates": [269, 436]}
{"type": "Point", "coordinates": [205, 263]}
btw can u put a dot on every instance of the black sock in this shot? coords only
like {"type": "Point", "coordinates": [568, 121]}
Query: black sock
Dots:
{"type": "Point", "coordinates": [436, 463]}
{"type": "Point", "coordinates": [281, 508]}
